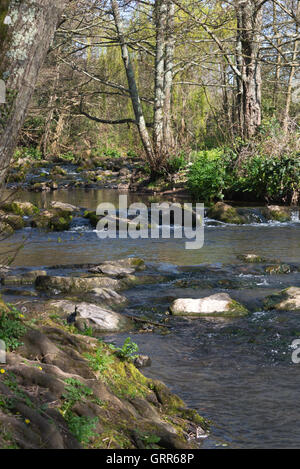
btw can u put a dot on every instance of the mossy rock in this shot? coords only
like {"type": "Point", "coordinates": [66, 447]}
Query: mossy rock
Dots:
{"type": "Point", "coordinates": [27, 278]}
{"type": "Point", "coordinates": [5, 229]}
{"type": "Point", "coordinates": [277, 213]}
{"type": "Point", "coordinates": [20, 208]}
{"type": "Point", "coordinates": [226, 214]}
{"type": "Point", "coordinates": [278, 269]}
{"type": "Point", "coordinates": [58, 171]}
{"type": "Point", "coordinates": [92, 217]}
{"type": "Point", "coordinates": [251, 258]}
{"type": "Point", "coordinates": [15, 221]}
{"type": "Point", "coordinates": [217, 305]}
{"type": "Point", "coordinates": [285, 300]}
{"type": "Point", "coordinates": [60, 223]}
{"type": "Point", "coordinates": [76, 284]}
{"type": "Point", "coordinates": [49, 220]}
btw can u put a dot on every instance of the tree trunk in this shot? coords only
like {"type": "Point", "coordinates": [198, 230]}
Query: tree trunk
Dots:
{"type": "Point", "coordinates": [134, 94]}
{"type": "Point", "coordinates": [168, 81]}
{"type": "Point", "coordinates": [159, 90]}
{"type": "Point", "coordinates": [278, 58]}
{"type": "Point", "coordinates": [25, 40]}
{"type": "Point", "coordinates": [249, 24]}
{"type": "Point", "coordinates": [286, 117]}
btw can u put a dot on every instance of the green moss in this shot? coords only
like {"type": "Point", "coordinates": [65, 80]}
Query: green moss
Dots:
{"type": "Point", "coordinates": [278, 269]}
{"type": "Point", "coordinates": [125, 380]}
{"type": "Point", "coordinates": [92, 217]}
{"type": "Point", "coordinates": [251, 258]}
{"type": "Point", "coordinates": [236, 309]}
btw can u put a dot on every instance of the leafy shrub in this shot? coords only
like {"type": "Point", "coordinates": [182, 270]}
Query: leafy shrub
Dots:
{"type": "Point", "coordinates": [129, 350]}
{"type": "Point", "coordinates": [100, 361]}
{"type": "Point", "coordinates": [269, 177]}
{"type": "Point", "coordinates": [207, 178]}
{"type": "Point", "coordinates": [69, 156]}
{"type": "Point", "coordinates": [176, 163]}
{"type": "Point", "coordinates": [11, 328]}
{"type": "Point", "coordinates": [217, 174]}
{"type": "Point", "coordinates": [112, 153]}
{"type": "Point", "coordinates": [30, 152]}
{"type": "Point", "coordinates": [82, 427]}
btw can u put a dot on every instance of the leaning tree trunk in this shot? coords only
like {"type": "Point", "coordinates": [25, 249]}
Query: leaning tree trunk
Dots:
{"type": "Point", "coordinates": [27, 28]}
{"type": "Point", "coordinates": [133, 89]}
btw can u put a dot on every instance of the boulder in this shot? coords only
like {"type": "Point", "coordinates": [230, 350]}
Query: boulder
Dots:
{"type": "Point", "coordinates": [112, 270]}
{"type": "Point", "coordinates": [23, 279]}
{"type": "Point", "coordinates": [5, 229]}
{"type": "Point", "coordinates": [141, 361]}
{"type": "Point", "coordinates": [277, 213]}
{"type": "Point", "coordinates": [277, 269]}
{"type": "Point", "coordinates": [15, 221]}
{"type": "Point", "coordinates": [85, 315]}
{"type": "Point", "coordinates": [20, 208]}
{"type": "Point", "coordinates": [285, 300]}
{"type": "Point", "coordinates": [76, 284]}
{"type": "Point", "coordinates": [50, 220]}
{"type": "Point", "coordinates": [219, 304]}
{"type": "Point", "coordinates": [92, 217]}
{"type": "Point", "coordinates": [58, 171]}
{"type": "Point", "coordinates": [226, 214]}
{"type": "Point", "coordinates": [108, 296]}
{"type": "Point", "coordinates": [131, 262]}
{"type": "Point", "coordinates": [64, 209]}
{"type": "Point", "coordinates": [251, 258]}
{"type": "Point", "coordinates": [60, 223]}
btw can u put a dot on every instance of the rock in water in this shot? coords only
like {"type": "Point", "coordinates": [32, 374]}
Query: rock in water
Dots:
{"type": "Point", "coordinates": [226, 213]}
{"type": "Point", "coordinates": [277, 213]}
{"type": "Point", "coordinates": [286, 300]}
{"type": "Point", "coordinates": [76, 284]}
{"type": "Point", "coordinates": [141, 361]}
{"type": "Point", "coordinates": [219, 304]}
{"type": "Point", "coordinates": [108, 296]}
{"type": "Point", "coordinates": [64, 209]}
{"type": "Point", "coordinates": [112, 270]}
{"type": "Point", "coordinates": [251, 258]}
{"type": "Point", "coordinates": [89, 315]}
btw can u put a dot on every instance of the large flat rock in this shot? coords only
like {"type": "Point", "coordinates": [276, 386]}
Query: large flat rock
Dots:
{"type": "Point", "coordinates": [86, 315]}
{"type": "Point", "coordinates": [218, 304]}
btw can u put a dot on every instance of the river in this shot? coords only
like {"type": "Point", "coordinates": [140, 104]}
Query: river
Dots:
{"type": "Point", "coordinates": [238, 373]}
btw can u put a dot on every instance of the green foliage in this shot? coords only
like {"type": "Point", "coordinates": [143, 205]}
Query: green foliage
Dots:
{"type": "Point", "coordinates": [269, 177]}
{"type": "Point", "coordinates": [128, 350]}
{"type": "Point", "coordinates": [69, 156]}
{"type": "Point", "coordinates": [176, 163]}
{"type": "Point", "coordinates": [11, 327]}
{"type": "Point", "coordinates": [30, 152]}
{"type": "Point", "coordinates": [100, 361]}
{"type": "Point", "coordinates": [82, 427]}
{"type": "Point", "coordinates": [75, 391]}
{"type": "Point", "coordinates": [11, 382]}
{"type": "Point", "coordinates": [217, 173]}
{"type": "Point", "coordinates": [131, 154]}
{"type": "Point", "coordinates": [207, 178]}
{"type": "Point", "coordinates": [149, 440]}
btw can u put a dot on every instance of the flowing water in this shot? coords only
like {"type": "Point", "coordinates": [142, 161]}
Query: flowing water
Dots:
{"type": "Point", "coordinates": [238, 373]}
